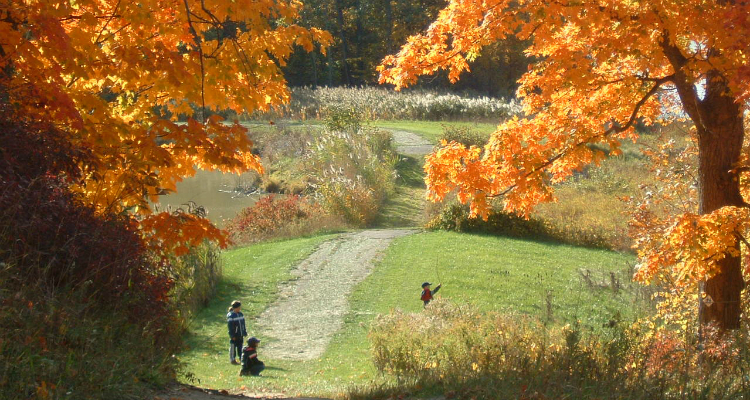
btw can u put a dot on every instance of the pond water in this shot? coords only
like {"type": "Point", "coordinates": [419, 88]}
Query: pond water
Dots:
{"type": "Point", "coordinates": [214, 191]}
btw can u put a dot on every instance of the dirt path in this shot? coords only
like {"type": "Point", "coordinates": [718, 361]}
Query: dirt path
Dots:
{"type": "Point", "coordinates": [311, 308]}
{"type": "Point", "coordinates": [188, 392]}
{"type": "Point", "coordinates": [410, 144]}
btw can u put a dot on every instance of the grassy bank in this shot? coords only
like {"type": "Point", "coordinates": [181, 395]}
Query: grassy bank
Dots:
{"type": "Point", "coordinates": [496, 273]}
{"type": "Point", "coordinates": [490, 272]}
{"type": "Point", "coordinates": [252, 275]}
{"type": "Point", "coordinates": [405, 208]}
{"type": "Point", "coordinates": [432, 130]}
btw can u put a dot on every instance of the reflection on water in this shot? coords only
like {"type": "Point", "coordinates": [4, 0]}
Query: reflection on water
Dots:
{"type": "Point", "coordinates": [209, 189]}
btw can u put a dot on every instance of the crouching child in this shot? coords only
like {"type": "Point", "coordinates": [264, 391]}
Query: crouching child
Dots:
{"type": "Point", "coordinates": [251, 365]}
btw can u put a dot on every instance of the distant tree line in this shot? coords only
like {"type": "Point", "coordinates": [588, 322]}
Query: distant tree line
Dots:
{"type": "Point", "coordinates": [366, 30]}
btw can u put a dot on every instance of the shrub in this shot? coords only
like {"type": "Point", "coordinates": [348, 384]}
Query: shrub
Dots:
{"type": "Point", "coordinates": [282, 150]}
{"type": "Point", "coordinates": [196, 276]}
{"type": "Point", "coordinates": [352, 168]}
{"type": "Point", "coordinates": [347, 167]}
{"type": "Point", "coordinates": [279, 216]}
{"type": "Point", "coordinates": [467, 354]}
{"type": "Point", "coordinates": [464, 135]}
{"type": "Point", "coordinates": [455, 217]}
{"type": "Point", "coordinates": [84, 310]}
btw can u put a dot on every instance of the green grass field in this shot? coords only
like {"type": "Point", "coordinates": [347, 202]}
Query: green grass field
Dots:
{"type": "Point", "coordinates": [431, 130]}
{"type": "Point", "coordinates": [405, 208]}
{"type": "Point", "coordinates": [492, 273]}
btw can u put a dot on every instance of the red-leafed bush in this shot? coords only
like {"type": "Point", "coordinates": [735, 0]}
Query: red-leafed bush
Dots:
{"type": "Point", "coordinates": [279, 216]}
{"type": "Point", "coordinates": [82, 306]}
{"type": "Point", "coordinates": [52, 240]}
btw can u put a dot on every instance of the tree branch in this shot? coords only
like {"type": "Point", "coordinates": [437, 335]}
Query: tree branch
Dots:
{"type": "Point", "coordinates": [197, 40]}
{"type": "Point", "coordinates": [615, 128]}
{"type": "Point", "coordinates": [685, 85]}
{"type": "Point", "coordinates": [111, 17]}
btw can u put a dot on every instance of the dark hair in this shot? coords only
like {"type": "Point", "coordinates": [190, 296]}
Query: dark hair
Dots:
{"type": "Point", "coordinates": [235, 304]}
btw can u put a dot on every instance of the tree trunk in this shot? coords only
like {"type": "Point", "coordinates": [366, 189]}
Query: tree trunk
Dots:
{"type": "Point", "coordinates": [388, 27]}
{"type": "Point", "coordinates": [718, 121]}
{"type": "Point", "coordinates": [342, 36]}
{"type": "Point", "coordinates": [329, 56]}
{"type": "Point", "coordinates": [359, 70]}
{"type": "Point", "coordinates": [720, 136]}
{"type": "Point", "coordinates": [314, 62]}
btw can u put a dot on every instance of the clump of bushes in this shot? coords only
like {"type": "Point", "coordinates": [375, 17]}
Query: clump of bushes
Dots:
{"type": "Point", "coordinates": [339, 174]}
{"type": "Point", "coordinates": [467, 354]}
{"type": "Point", "coordinates": [352, 168]}
{"type": "Point", "coordinates": [280, 217]}
{"type": "Point", "coordinates": [382, 103]}
{"type": "Point", "coordinates": [464, 135]}
{"type": "Point", "coordinates": [455, 217]}
{"type": "Point", "coordinates": [84, 309]}
{"type": "Point", "coordinates": [282, 149]}
{"type": "Point", "coordinates": [196, 276]}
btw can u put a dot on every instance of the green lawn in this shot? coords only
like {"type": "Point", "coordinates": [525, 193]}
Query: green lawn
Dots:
{"type": "Point", "coordinates": [498, 273]}
{"type": "Point", "coordinates": [405, 208]}
{"type": "Point", "coordinates": [492, 273]}
{"type": "Point", "coordinates": [431, 130]}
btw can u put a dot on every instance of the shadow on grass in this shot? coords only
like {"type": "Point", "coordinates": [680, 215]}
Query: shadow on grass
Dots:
{"type": "Point", "coordinates": [394, 391]}
{"type": "Point", "coordinates": [405, 208]}
{"type": "Point", "coordinates": [208, 330]}
{"type": "Point", "coordinates": [410, 172]}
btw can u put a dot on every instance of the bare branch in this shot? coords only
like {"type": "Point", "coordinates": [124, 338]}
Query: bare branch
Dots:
{"type": "Point", "coordinates": [197, 40]}
{"type": "Point", "coordinates": [615, 128]}
{"type": "Point", "coordinates": [111, 17]}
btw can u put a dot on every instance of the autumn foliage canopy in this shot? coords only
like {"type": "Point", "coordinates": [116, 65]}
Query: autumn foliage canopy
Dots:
{"type": "Point", "coordinates": [115, 75]}
{"type": "Point", "coordinates": [599, 67]}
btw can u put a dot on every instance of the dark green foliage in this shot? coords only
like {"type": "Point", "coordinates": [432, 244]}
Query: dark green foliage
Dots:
{"type": "Point", "coordinates": [365, 31]}
{"type": "Point", "coordinates": [455, 217]}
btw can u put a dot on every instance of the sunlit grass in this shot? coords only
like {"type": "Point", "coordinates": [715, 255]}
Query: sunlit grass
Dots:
{"type": "Point", "coordinates": [252, 275]}
{"type": "Point", "coordinates": [405, 208]}
{"type": "Point", "coordinates": [491, 272]}
{"type": "Point", "coordinates": [431, 130]}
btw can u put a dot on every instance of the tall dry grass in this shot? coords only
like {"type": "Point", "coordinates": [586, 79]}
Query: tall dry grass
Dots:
{"type": "Point", "coordinates": [353, 168]}
{"type": "Point", "coordinates": [461, 353]}
{"type": "Point", "coordinates": [381, 103]}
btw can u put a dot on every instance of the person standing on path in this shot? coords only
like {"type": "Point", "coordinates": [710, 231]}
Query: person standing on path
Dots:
{"type": "Point", "coordinates": [427, 293]}
{"type": "Point", "coordinates": [236, 327]}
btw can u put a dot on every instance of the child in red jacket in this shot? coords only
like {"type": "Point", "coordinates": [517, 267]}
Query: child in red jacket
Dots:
{"type": "Point", "coordinates": [427, 293]}
{"type": "Point", "coordinates": [250, 363]}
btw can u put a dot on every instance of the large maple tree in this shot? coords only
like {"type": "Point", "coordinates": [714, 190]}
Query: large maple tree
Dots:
{"type": "Point", "coordinates": [115, 75]}
{"type": "Point", "coordinates": [601, 66]}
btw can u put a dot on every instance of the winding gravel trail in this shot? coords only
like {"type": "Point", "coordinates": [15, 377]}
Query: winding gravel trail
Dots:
{"type": "Point", "coordinates": [312, 307]}
{"type": "Point", "coordinates": [410, 143]}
